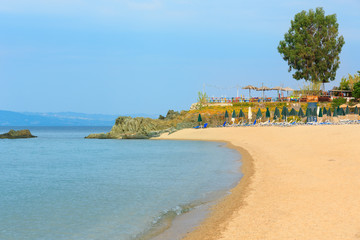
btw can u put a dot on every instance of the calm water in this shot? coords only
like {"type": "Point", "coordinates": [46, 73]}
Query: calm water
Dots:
{"type": "Point", "coordinates": [62, 186]}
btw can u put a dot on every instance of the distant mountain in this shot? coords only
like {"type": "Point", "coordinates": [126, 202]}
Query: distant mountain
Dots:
{"type": "Point", "coordinates": [9, 118]}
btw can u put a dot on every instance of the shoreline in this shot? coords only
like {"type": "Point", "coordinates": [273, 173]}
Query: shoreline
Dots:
{"type": "Point", "coordinates": [186, 223]}
{"type": "Point", "coordinates": [299, 183]}
{"type": "Point", "coordinates": [222, 211]}
{"type": "Point", "coordinates": [218, 211]}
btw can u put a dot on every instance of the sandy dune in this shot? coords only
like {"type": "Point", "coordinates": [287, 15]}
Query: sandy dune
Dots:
{"type": "Point", "coordinates": [300, 183]}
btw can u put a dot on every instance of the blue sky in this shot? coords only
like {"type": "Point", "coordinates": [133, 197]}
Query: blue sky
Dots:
{"type": "Point", "coordinates": [122, 56]}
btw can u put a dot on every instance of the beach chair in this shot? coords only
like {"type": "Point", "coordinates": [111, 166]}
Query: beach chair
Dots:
{"type": "Point", "coordinates": [222, 125]}
{"type": "Point", "coordinates": [254, 122]}
{"type": "Point", "coordinates": [267, 123]}
{"type": "Point", "coordinates": [205, 125]}
{"type": "Point", "coordinates": [197, 127]}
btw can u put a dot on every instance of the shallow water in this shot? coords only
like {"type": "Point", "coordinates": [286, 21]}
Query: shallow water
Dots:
{"type": "Point", "coordinates": [62, 186]}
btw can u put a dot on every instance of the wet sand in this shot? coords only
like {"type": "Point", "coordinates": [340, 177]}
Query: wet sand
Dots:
{"type": "Point", "coordinates": [299, 183]}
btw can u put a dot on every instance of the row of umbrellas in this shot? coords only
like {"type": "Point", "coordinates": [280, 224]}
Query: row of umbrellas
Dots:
{"type": "Point", "coordinates": [264, 88]}
{"type": "Point", "coordinates": [310, 112]}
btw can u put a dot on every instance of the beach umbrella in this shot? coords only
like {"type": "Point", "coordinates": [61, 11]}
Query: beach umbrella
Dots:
{"type": "Point", "coordinates": [301, 113]}
{"type": "Point", "coordinates": [250, 87]}
{"type": "Point", "coordinates": [320, 113]}
{"type": "Point", "coordinates": [250, 114]}
{"type": "Point", "coordinates": [347, 111]}
{"type": "Point", "coordinates": [328, 113]}
{"type": "Point", "coordinates": [292, 112]}
{"type": "Point", "coordinates": [335, 113]}
{"type": "Point", "coordinates": [324, 111]}
{"type": "Point", "coordinates": [285, 112]}
{"type": "Point", "coordinates": [308, 114]}
{"type": "Point", "coordinates": [267, 114]}
{"type": "Point", "coordinates": [199, 118]}
{"type": "Point", "coordinates": [233, 114]}
{"type": "Point", "coordinates": [226, 114]}
{"type": "Point", "coordinates": [258, 114]}
{"type": "Point", "coordinates": [338, 111]}
{"type": "Point", "coordinates": [342, 111]}
{"type": "Point", "coordinates": [276, 113]}
{"type": "Point", "coordinates": [314, 113]}
{"type": "Point", "coordinates": [356, 111]}
{"type": "Point", "coordinates": [241, 114]}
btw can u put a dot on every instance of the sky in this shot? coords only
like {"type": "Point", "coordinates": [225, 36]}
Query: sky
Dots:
{"type": "Point", "coordinates": [148, 56]}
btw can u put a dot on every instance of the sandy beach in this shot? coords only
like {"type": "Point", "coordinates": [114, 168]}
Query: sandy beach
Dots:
{"type": "Point", "coordinates": [299, 183]}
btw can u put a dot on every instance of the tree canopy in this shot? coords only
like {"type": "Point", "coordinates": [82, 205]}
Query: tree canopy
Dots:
{"type": "Point", "coordinates": [312, 46]}
{"type": "Point", "coordinates": [356, 92]}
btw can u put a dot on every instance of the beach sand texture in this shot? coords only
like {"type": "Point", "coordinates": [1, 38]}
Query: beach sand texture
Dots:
{"type": "Point", "coordinates": [299, 183]}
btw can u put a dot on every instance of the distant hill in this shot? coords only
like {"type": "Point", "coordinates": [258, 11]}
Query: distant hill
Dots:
{"type": "Point", "coordinates": [9, 118]}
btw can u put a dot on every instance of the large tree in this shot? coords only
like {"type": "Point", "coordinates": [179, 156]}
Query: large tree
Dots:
{"type": "Point", "coordinates": [312, 46]}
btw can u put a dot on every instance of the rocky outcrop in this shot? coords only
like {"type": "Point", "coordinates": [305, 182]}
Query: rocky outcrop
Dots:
{"type": "Point", "coordinates": [136, 128]}
{"type": "Point", "coordinates": [12, 134]}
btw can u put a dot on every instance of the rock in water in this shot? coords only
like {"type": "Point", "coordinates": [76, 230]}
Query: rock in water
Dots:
{"type": "Point", "coordinates": [136, 128]}
{"type": "Point", "coordinates": [12, 134]}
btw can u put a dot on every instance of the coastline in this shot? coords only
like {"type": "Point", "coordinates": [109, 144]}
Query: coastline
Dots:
{"type": "Point", "coordinates": [185, 223]}
{"type": "Point", "coordinates": [290, 188]}
{"type": "Point", "coordinates": [222, 211]}
{"type": "Point", "coordinates": [210, 220]}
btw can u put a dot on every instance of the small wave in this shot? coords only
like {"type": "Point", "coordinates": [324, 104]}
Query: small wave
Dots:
{"type": "Point", "coordinates": [164, 220]}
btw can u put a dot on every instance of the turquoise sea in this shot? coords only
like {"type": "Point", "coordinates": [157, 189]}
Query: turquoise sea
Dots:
{"type": "Point", "coordinates": [62, 186]}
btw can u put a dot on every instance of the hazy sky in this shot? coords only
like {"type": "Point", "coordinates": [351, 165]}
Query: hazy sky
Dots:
{"type": "Point", "coordinates": [122, 56]}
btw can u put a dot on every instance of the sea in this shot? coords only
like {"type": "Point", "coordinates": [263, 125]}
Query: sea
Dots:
{"type": "Point", "coordinates": [62, 186]}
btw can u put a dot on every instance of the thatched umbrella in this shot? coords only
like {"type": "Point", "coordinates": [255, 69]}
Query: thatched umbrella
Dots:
{"type": "Point", "coordinates": [287, 89]}
{"type": "Point", "coordinates": [250, 87]}
{"type": "Point", "coordinates": [263, 89]}
{"type": "Point", "coordinates": [278, 89]}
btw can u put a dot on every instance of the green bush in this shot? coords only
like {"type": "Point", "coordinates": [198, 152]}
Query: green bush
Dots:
{"type": "Point", "coordinates": [337, 102]}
